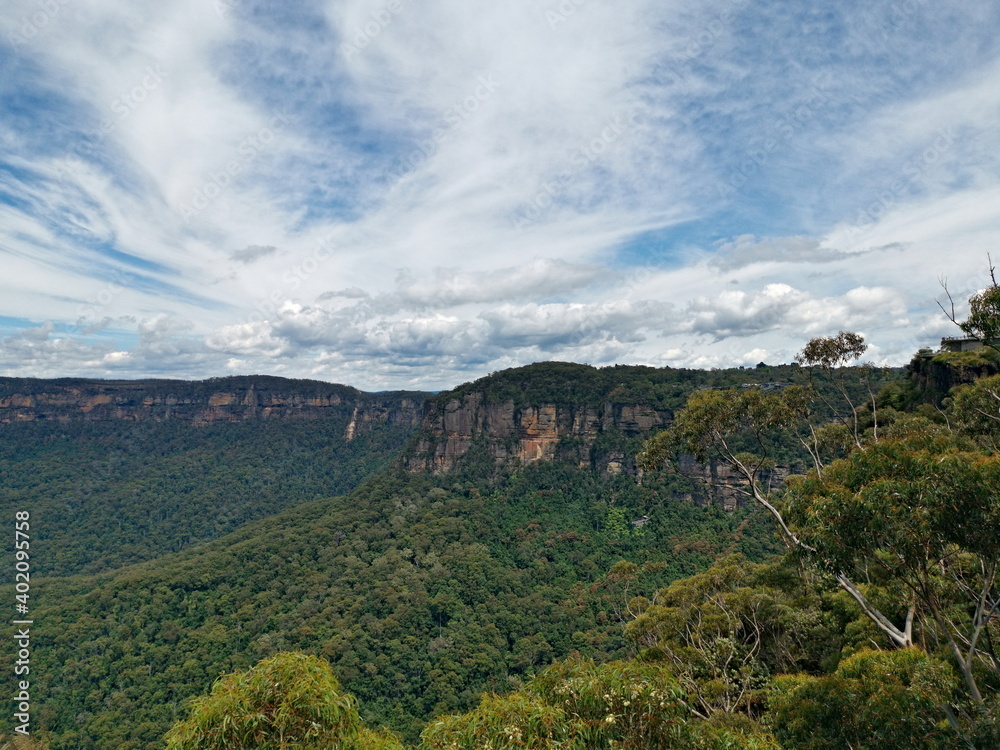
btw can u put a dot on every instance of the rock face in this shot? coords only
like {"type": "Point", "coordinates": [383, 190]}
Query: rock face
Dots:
{"type": "Point", "coordinates": [934, 376]}
{"type": "Point", "coordinates": [717, 483]}
{"type": "Point", "coordinates": [233, 399]}
{"type": "Point", "coordinates": [525, 434]}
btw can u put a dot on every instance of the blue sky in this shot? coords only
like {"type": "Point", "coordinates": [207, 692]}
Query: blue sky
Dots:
{"type": "Point", "coordinates": [395, 194]}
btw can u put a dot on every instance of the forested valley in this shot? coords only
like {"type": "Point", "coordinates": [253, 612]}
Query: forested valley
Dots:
{"type": "Point", "coordinates": [225, 584]}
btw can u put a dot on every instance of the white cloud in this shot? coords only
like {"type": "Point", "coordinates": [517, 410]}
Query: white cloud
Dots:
{"type": "Point", "coordinates": [474, 187]}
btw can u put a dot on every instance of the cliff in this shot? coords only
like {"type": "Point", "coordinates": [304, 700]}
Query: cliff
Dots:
{"type": "Point", "coordinates": [230, 399]}
{"type": "Point", "coordinates": [588, 417]}
{"type": "Point", "coordinates": [528, 432]}
{"type": "Point", "coordinates": [933, 375]}
{"type": "Point", "coordinates": [717, 483]}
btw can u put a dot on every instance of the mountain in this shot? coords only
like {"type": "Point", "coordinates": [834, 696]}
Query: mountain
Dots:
{"type": "Point", "coordinates": [230, 399]}
{"type": "Point", "coordinates": [480, 555]}
{"type": "Point", "coordinates": [116, 472]}
{"type": "Point", "coordinates": [521, 420]}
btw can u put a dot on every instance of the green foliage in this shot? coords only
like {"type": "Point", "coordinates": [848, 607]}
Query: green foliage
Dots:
{"type": "Point", "coordinates": [984, 315]}
{"type": "Point", "coordinates": [726, 630]}
{"type": "Point", "coordinates": [712, 418]}
{"type": "Point", "coordinates": [425, 593]}
{"type": "Point", "coordinates": [22, 742]}
{"type": "Point", "coordinates": [912, 495]}
{"type": "Point", "coordinates": [833, 351]}
{"type": "Point", "coordinates": [507, 722]}
{"type": "Point", "coordinates": [910, 507]}
{"type": "Point", "coordinates": [382, 739]}
{"type": "Point", "coordinates": [664, 389]}
{"type": "Point", "coordinates": [422, 592]}
{"type": "Point", "coordinates": [876, 700]}
{"type": "Point", "coordinates": [288, 700]}
{"type": "Point", "coordinates": [112, 493]}
{"type": "Point", "coordinates": [977, 410]}
{"type": "Point", "coordinates": [975, 360]}
{"type": "Point", "coordinates": [580, 705]}
{"type": "Point", "coordinates": [919, 513]}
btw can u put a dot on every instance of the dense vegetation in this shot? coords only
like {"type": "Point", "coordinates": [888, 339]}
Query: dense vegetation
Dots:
{"type": "Point", "coordinates": [111, 493]}
{"type": "Point", "coordinates": [422, 592]}
{"type": "Point", "coordinates": [520, 608]}
{"type": "Point", "coordinates": [664, 389]}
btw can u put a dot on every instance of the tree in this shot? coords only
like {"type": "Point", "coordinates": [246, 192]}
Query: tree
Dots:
{"type": "Point", "coordinates": [874, 700]}
{"type": "Point", "coordinates": [579, 705]}
{"type": "Point", "coordinates": [919, 510]}
{"type": "Point", "coordinates": [831, 353]}
{"type": "Point", "coordinates": [907, 522]}
{"type": "Point", "coordinates": [976, 408]}
{"type": "Point", "coordinates": [720, 423]}
{"type": "Point", "coordinates": [716, 423]}
{"type": "Point", "coordinates": [984, 316]}
{"type": "Point", "coordinates": [287, 700]}
{"type": "Point", "coordinates": [983, 322]}
{"type": "Point", "coordinates": [726, 630]}
{"type": "Point", "coordinates": [22, 742]}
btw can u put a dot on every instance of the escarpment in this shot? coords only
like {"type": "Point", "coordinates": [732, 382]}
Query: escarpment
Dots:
{"type": "Point", "coordinates": [588, 417]}
{"type": "Point", "coordinates": [527, 433]}
{"type": "Point", "coordinates": [230, 399]}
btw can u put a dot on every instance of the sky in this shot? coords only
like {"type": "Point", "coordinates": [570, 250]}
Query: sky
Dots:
{"type": "Point", "coordinates": [410, 194]}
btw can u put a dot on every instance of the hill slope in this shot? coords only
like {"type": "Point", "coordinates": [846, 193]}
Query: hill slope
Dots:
{"type": "Point", "coordinates": [116, 472]}
{"type": "Point", "coordinates": [425, 586]}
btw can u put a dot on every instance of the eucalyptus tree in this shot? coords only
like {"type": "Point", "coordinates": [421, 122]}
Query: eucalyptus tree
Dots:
{"type": "Point", "coordinates": [910, 509]}
{"type": "Point", "coordinates": [288, 700]}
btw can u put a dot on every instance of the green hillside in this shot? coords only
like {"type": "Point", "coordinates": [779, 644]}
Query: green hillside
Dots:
{"type": "Point", "coordinates": [106, 492]}
{"type": "Point", "coordinates": [422, 590]}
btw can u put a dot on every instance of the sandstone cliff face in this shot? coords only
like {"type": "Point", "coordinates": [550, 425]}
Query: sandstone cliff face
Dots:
{"type": "Point", "coordinates": [717, 483]}
{"type": "Point", "coordinates": [525, 434]}
{"type": "Point", "coordinates": [546, 432]}
{"type": "Point", "coordinates": [201, 402]}
{"type": "Point", "coordinates": [934, 376]}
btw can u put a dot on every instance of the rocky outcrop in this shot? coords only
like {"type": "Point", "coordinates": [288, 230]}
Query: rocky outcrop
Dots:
{"type": "Point", "coordinates": [525, 434]}
{"type": "Point", "coordinates": [933, 375]}
{"type": "Point", "coordinates": [233, 399]}
{"type": "Point", "coordinates": [717, 483]}
{"type": "Point", "coordinates": [510, 434]}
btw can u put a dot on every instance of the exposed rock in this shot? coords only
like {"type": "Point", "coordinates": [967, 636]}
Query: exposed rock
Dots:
{"type": "Point", "coordinates": [526, 434]}
{"type": "Point", "coordinates": [718, 483]}
{"type": "Point", "coordinates": [233, 399]}
{"type": "Point", "coordinates": [934, 375]}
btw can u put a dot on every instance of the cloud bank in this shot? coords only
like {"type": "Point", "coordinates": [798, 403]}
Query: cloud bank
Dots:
{"type": "Point", "coordinates": [394, 194]}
